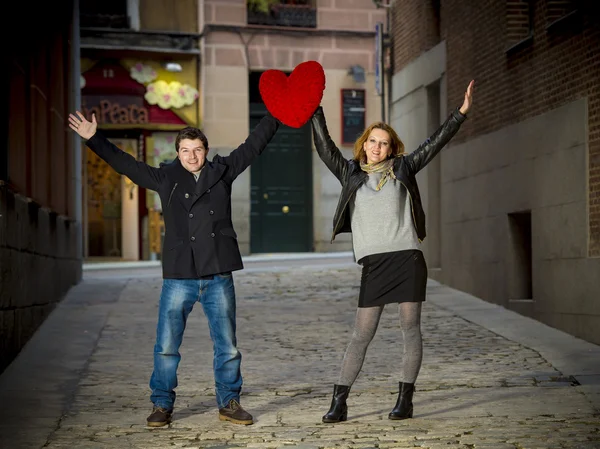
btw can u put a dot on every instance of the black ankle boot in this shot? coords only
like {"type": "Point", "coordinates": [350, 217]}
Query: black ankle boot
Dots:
{"type": "Point", "coordinates": [404, 405]}
{"type": "Point", "coordinates": [338, 410]}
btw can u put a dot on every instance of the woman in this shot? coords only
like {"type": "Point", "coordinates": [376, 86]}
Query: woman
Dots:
{"type": "Point", "coordinates": [380, 204]}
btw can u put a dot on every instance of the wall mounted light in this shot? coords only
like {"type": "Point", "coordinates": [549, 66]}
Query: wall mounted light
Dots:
{"type": "Point", "coordinates": [171, 66]}
{"type": "Point", "coordinates": [383, 3]}
{"type": "Point", "coordinates": [358, 73]}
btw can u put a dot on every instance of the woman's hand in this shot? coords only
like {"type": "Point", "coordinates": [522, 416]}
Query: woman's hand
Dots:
{"type": "Point", "coordinates": [468, 99]}
{"type": "Point", "coordinates": [83, 127]}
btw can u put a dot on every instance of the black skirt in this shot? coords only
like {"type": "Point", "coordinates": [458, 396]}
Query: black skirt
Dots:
{"type": "Point", "coordinates": [399, 276]}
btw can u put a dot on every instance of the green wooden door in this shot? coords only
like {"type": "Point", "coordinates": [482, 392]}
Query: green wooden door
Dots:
{"type": "Point", "coordinates": [281, 195]}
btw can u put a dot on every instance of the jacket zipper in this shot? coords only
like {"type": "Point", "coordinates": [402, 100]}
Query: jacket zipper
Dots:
{"type": "Point", "coordinates": [171, 195]}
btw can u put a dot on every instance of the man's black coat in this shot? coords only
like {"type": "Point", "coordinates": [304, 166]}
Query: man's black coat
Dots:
{"type": "Point", "coordinates": [199, 235]}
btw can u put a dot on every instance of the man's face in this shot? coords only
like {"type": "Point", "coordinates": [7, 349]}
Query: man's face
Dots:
{"type": "Point", "coordinates": [192, 154]}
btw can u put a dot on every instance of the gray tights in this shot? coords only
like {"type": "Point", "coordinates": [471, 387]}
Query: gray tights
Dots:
{"type": "Point", "coordinates": [367, 320]}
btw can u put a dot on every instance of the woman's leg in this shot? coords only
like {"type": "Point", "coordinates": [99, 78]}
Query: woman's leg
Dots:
{"type": "Point", "coordinates": [410, 323]}
{"type": "Point", "coordinates": [365, 326]}
{"type": "Point", "coordinates": [412, 355]}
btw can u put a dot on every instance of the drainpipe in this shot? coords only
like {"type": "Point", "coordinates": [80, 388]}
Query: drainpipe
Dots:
{"type": "Point", "coordinates": [390, 73]}
{"type": "Point", "coordinates": [201, 69]}
{"type": "Point", "coordinates": [382, 73]}
{"type": "Point", "coordinates": [75, 105]}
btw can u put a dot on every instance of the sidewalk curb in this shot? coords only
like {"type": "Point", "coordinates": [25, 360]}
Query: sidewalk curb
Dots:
{"type": "Point", "coordinates": [267, 257]}
{"type": "Point", "coordinates": [570, 355]}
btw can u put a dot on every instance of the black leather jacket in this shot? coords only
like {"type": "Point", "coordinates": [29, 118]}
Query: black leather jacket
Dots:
{"type": "Point", "coordinates": [406, 167]}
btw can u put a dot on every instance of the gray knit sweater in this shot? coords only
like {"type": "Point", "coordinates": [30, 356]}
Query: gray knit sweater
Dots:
{"type": "Point", "coordinates": [381, 220]}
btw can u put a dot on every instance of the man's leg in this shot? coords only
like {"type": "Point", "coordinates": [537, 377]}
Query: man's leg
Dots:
{"type": "Point", "coordinates": [176, 302]}
{"type": "Point", "coordinates": [218, 302]}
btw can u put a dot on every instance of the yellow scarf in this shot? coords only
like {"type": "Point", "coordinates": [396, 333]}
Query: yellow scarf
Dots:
{"type": "Point", "coordinates": [386, 167]}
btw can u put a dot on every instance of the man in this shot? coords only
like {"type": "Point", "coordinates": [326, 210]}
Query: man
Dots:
{"type": "Point", "coordinates": [200, 251]}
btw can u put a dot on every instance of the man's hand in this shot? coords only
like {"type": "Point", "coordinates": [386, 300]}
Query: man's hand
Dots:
{"type": "Point", "coordinates": [81, 126]}
{"type": "Point", "coordinates": [468, 99]}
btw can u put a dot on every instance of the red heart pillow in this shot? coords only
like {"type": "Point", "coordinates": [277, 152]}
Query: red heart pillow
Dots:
{"type": "Point", "coordinates": [294, 99]}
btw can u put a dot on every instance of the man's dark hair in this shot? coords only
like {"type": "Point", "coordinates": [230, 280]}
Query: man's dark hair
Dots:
{"type": "Point", "coordinates": [191, 133]}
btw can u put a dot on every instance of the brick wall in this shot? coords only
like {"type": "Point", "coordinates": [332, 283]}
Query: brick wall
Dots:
{"type": "Point", "coordinates": [524, 63]}
{"type": "Point", "coordinates": [415, 29]}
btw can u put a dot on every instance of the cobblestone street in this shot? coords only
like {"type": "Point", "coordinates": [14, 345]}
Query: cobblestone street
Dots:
{"type": "Point", "coordinates": [490, 378]}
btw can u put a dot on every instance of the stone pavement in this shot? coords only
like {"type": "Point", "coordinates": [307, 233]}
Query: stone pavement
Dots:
{"type": "Point", "coordinates": [490, 378]}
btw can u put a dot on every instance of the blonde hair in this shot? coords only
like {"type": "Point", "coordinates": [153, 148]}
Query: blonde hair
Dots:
{"type": "Point", "coordinates": [396, 144]}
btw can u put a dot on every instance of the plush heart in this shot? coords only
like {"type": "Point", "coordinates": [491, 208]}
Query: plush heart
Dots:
{"type": "Point", "coordinates": [294, 99]}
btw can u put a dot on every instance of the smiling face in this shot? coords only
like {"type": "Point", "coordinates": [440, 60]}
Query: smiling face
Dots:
{"type": "Point", "coordinates": [192, 154]}
{"type": "Point", "coordinates": [377, 146]}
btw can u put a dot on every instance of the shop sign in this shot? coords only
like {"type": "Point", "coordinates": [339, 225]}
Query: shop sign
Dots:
{"type": "Point", "coordinates": [116, 110]}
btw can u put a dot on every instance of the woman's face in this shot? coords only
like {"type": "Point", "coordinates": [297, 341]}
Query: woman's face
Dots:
{"type": "Point", "coordinates": [377, 147]}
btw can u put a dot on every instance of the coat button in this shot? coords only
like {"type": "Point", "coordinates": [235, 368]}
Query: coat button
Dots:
{"type": "Point", "coordinates": [187, 195]}
{"type": "Point", "coordinates": [212, 212]}
{"type": "Point", "coordinates": [212, 234]}
{"type": "Point", "coordinates": [192, 238]}
{"type": "Point", "coordinates": [207, 190]}
{"type": "Point", "coordinates": [191, 215]}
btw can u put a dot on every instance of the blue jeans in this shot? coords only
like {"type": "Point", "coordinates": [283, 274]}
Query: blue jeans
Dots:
{"type": "Point", "coordinates": [177, 299]}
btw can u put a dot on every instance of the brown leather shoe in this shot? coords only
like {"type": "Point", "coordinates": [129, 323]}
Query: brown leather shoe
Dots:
{"type": "Point", "coordinates": [159, 417]}
{"type": "Point", "coordinates": [234, 413]}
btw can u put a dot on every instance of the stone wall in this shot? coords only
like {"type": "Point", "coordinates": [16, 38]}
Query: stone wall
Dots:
{"type": "Point", "coordinates": [38, 265]}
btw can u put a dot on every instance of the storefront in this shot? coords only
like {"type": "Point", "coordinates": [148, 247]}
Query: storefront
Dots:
{"type": "Point", "coordinates": [140, 106]}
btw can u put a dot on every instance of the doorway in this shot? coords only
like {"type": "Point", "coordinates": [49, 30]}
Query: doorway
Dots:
{"type": "Point", "coordinates": [520, 264]}
{"type": "Point", "coordinates": [281, 186]}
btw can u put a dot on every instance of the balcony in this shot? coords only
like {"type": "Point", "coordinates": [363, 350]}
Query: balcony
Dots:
{"type": "Point", "coordinates": [285, 15]}
{"type": "Point", "coordinates": [120, 21]}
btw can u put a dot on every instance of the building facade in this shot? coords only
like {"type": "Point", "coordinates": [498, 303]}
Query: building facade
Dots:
{"type": "Point", "coordinates": [140, 78]}
{"type": "Point", "coordinates": [513, 203]}
{"type": "Point", "coordinates": [145, 69]}
{"type": "Point", "coordinates": [40, 166]}
{"type": "Point", "coordinates": [285, 201]}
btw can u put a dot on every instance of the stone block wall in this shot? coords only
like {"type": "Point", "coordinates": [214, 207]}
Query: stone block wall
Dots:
{"type": "Point", "coordinates": [38, 265]}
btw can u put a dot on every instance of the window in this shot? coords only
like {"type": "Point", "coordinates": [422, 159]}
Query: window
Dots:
{"type": "Point", "coordinates": [103, 14]}
{"type": "Point", "coordinates": [288, 13]}
{"type": "Point", "coordinates": [561, 14]}
{"type": "Point", "coordinates": [519, 24]}
{"type": "Point", "coordinates": [435, 21]}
